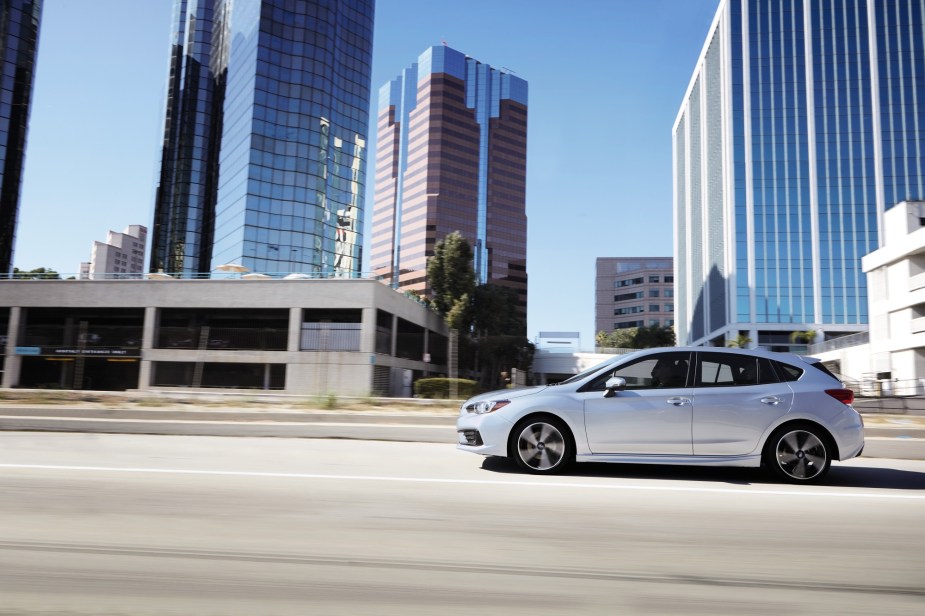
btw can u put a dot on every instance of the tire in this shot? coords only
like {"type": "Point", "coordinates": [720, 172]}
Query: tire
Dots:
{"type": "Point", "coordinates": [799, 453]}
{"type": "Point", "coordinates": [542, 445]}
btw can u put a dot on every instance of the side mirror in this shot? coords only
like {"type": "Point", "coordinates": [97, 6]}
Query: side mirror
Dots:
{"type": "Point", "coordinates": [613, 385]}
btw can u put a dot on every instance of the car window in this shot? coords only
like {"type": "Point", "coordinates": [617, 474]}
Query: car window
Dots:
{"type": "Point", "coordinates": [661, 370]}
{"type": "Point", "coordinates": [732, 370]}
{"type": "Point", "coordinates": [788, 372]}
{"type": "Point", "coordinates": [818, 366]}
{"type": "Point", "coordinates": [586, 373]}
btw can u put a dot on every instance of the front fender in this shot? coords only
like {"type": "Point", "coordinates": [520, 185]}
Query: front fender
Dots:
{"type": "Point", "coordinates": [564, 408]}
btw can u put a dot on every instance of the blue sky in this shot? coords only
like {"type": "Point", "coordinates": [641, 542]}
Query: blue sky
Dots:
{"type": "Point", "coordinates": [606, 81]}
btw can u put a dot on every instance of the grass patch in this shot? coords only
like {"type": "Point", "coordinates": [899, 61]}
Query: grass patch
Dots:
{"type": "Point", "coordinates": [150, 402]}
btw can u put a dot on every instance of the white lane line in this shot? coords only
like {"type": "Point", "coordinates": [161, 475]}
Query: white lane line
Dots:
{"type": "Point", "coordinates": [243, 422]}
{"type": "Point", "coordinates": [535, 484]}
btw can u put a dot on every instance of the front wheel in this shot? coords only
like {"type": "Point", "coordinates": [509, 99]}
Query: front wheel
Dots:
{"type": "Point", "coordinates": [798, 454]}
{"type": "Point", "coordinates": [542, 446]}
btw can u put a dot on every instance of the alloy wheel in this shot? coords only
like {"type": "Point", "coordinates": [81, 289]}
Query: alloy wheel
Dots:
{"type": "Point", "coordinates": [801, 455]}
{"type": "Point", "coordinates": [541, 446]}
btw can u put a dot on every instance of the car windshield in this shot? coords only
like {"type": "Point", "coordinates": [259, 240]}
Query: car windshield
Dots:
{"type": "Point", "coordinates": [594, 369]}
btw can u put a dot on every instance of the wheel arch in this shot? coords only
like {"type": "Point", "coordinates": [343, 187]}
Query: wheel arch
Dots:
{"type": "Point", "coordinates": [800, 421]}
{"type": "Point", "coordinates": [537, 415]}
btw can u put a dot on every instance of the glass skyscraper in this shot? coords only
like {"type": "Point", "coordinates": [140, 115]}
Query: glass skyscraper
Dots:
{"type": "Point", "coordinates": [803, 122]}
{"type": "Point", "coordinates": [264, 154]}
{"type": "Point", "coordinates": [19, 38]}
{"type": "Point", "coordinates": [451, 155]}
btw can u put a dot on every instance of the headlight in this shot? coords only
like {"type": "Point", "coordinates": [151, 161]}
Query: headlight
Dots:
{"type": "Point", "coordinates": [488, 406]}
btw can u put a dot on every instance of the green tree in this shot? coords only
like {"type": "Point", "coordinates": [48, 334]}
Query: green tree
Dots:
{"type": "Point", "coordinates": [499, 354]}
{"type": "Point", "coordinates": [500, 330]}
{"type": "Point", "coordinates": [491, 326]}
{"type": "Point", "coordinates": [617, 339]}
{"type": "Point", "coordinates": [806, 337]}
{"type": "Point", "coordinates": [637, 337]}
{"type": "Point", "coordinates": [41, 273]}
{"type": "Point", "coordinates": [653, 336]}
{"type": "Point", "coordinates": [496, 312]}
{"type": "Point", "coordinates": [460, 315]}
{"type": "Point", "coordinates": [741, 342]}
{"type": "Point", "coordinates": [450, 276]}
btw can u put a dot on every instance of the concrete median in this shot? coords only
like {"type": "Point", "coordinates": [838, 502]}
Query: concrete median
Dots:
{"type": "Point", "coordinates": [888, 435]}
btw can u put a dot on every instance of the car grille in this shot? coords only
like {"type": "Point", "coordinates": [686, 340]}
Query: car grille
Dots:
{"type": "Point", "coordinates": [472, 437]}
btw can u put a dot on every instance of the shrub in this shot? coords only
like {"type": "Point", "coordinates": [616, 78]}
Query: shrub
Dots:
{"type": "Point", "coordinates": [440, 388]}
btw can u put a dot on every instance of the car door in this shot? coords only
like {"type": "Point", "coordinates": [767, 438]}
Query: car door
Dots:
{"type": "Point", "coordinates": [736, 397]}
{"type": "Point", "coordinates": [651, 416]}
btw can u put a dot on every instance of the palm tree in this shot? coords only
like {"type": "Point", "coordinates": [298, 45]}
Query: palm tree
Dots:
{"type": "Point", "coordinates": [806, 337]}
{"type": "Point", "coordinates": [741, 342]}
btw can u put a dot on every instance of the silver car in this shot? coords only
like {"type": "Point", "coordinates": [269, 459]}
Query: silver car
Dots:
{"type": "Point", "coordinates": [695, 406]}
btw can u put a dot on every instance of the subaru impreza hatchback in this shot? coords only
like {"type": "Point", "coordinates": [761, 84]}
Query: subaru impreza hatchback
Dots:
{"type": "Point", "coordinates": [691, 406]}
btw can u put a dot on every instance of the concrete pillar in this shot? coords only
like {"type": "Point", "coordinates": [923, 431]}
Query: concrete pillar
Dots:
{"type": "Point", "coordinates": [368, 331]}
{"type": "Point", "coordinates": [295, 330]}
{"type": "Point", "coordinates": [426, 350]}
{"type": "Point", "coordinates": [394, 345]}
{"type": "Point", "coordinates": [13, 363]}
{"type": "Point", "coordinates": [148, 332]}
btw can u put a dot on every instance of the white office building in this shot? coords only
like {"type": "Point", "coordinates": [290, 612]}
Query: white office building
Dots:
{"type": "Point", "coordinates": [891, 360]}
{"type": "Point", "coordinates": [801, 126]}
{"type": "Point", "coordinates": [122, 255]}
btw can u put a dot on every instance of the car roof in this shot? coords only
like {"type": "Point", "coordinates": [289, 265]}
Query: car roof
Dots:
{"type": "Point", "coordinates": [786, 357]}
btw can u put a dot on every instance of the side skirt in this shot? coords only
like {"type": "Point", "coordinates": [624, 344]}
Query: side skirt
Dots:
{"type": "Point", "coordinates": [748, 460]}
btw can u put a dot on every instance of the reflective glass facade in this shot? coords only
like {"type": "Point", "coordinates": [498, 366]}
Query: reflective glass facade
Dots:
{"type": "Point", "coordinates": [264, 156]}
{"type": "Point", "coordinates": [451, 156]}
{"type": "Point", "coordinates": [802, 125]}
{"type": "Point", "coordinates": [19, 36]}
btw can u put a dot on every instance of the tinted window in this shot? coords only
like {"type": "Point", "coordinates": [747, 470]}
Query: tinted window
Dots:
{"type": "Point", "coordinates": [662, 370]}
{"type": "Point", "coordinates": [766, 372]}
{"type": "Point", "coordinates": [786, 372]}
{"type": "Point", "coordinates": [818, 366]}
{"type": "Point", "coordinates": [728, 370]}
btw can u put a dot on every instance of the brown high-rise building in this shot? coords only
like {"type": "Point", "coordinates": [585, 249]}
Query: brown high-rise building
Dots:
{"type": "Point", "coordinates": [451, 156]}
{"type": "Point", "coordinates": [633, 292]}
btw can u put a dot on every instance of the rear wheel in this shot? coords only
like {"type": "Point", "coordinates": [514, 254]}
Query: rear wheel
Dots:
{"type": "Point", "coordinates": [798, 454]}
{"type": "Point", "coordinates": [542, 445]}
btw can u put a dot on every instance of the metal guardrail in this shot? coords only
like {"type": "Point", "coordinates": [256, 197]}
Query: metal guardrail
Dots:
{"type": "Point", "coordinates": [887, 389]}
{"type": "Point", "coordinates": [842, 342]}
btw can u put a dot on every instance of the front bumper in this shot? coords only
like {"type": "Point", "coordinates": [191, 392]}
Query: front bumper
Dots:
{"type": "Point", "coordinates": [486, 435]}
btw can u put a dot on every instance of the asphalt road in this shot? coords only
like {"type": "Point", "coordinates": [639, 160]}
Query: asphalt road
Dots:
{"type": "Point", "coordinates": [103, 525]}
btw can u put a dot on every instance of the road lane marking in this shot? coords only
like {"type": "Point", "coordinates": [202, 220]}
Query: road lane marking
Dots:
{"type": "Point", "coordinates": [240, 422]}
{"type": "Point", "coordinates": [437, 480]}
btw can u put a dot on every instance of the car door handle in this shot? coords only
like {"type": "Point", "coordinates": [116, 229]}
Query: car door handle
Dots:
{"type": "Point", "coordinates": [678, 401]}
{"type": "Point", "coordinates": [772, 400]}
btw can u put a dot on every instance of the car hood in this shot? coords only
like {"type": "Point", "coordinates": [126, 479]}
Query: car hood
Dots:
{"type": "Point", "coordinates": [506, 394]}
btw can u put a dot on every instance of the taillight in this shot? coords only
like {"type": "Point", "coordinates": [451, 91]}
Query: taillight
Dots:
{"type": "Point", "coordinates": [845, 396]}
